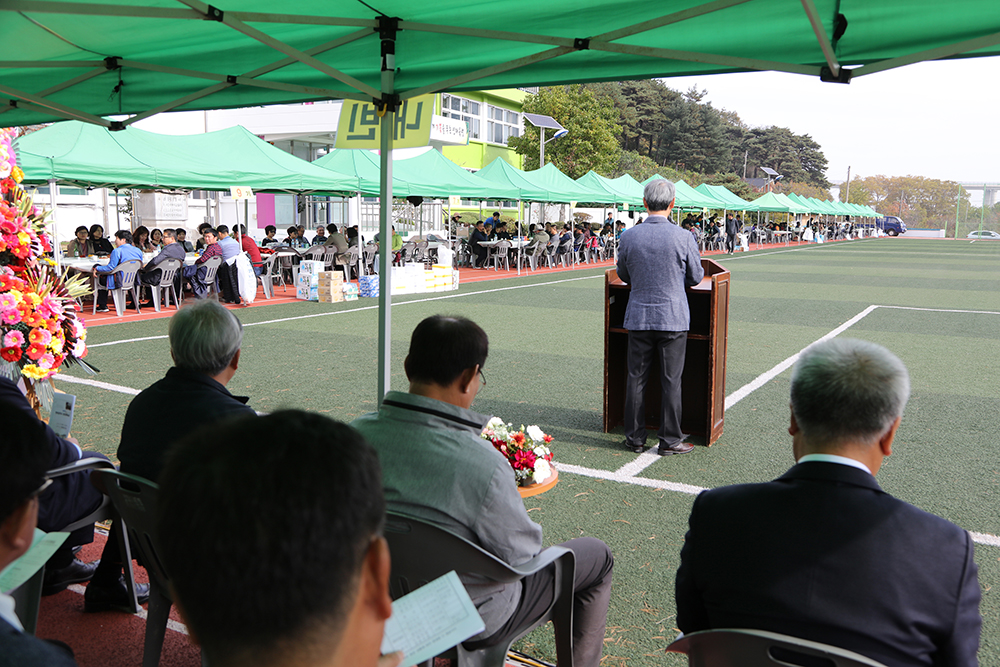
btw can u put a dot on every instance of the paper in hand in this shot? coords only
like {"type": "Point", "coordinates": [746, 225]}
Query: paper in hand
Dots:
{"type": "Point", "coordinates": [431, 620]}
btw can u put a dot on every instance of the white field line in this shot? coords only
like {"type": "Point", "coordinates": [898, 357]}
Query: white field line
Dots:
{"type": "Point", "coordinates": [778, 252]}
{"type": "Point", "coordinates": [945, 310]}
{"type": "Point", "coordinates": [355, 310]}
{"type": "Point", "coordinates": [766, 377]}
{"type": "Point", "coordinates": [97, 383]}
{"type": "Point", "coordinates": [171, 623]}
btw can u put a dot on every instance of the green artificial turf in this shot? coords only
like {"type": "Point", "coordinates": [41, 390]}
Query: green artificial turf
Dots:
{"type": "Point", "coordinates": [545, 368]}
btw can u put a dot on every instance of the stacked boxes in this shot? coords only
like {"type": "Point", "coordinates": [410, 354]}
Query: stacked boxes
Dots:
{"type": "Point", "coordinates": [350, 292]}
{"type": "Point", "coordinates": [330, 286]}
{"type": "Point", "coordinates": [307, 285]}
{"type": "Point", "coordinates": [413, 278]}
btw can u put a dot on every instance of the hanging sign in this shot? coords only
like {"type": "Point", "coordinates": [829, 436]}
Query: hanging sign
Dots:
{"type": "Point", "coordinates": [241, 192]}
{"type": "Point", "coordinates": [359, 125]}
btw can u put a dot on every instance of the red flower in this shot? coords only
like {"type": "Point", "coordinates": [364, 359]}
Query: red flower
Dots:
{"type": "Point", "coordinates": [35, 351]}
{"type": "Point", "coordinates": [524, 460]}
{"type": "Point", "coordinates": [548, 439]}
{"type": "Point", "coordinates": [11, 354]}
{"type": "Point", "coordinates": [518, 439]}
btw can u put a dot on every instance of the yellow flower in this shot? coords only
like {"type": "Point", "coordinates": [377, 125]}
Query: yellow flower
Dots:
{"type": "Point", "coordinates": [56, 345]}
{"type": "Point", "coordinates": [33, 298]}
{"type": "Point", "coordinates": [34, 372]}
{"type": "Point", "coordinates": [18, 297]}
{"type": "Point", "coordinates": [23, 238]}
{"type": "Point", "coordinates": [17, 174]}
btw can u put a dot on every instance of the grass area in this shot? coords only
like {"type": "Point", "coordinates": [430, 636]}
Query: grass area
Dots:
{"type": "Point", "coordinates": [545, 368]}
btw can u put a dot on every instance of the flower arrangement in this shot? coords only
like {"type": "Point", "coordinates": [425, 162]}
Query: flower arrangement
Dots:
{"type": "Point", "coordinates": [39, 326]}
{"type": "Point", "coordinates": [527, 450]}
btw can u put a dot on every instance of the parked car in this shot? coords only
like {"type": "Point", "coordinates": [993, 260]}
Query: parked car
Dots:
{"type": "Point", "coordinates": [891, 225]}
{"type": "Point", "coordinates": [985, 234]}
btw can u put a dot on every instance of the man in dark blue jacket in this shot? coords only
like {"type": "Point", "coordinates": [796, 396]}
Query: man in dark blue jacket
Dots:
{"type": "Point", "coordinates": [658, 259]}
{"type": "Point", "coordinates": [823, 553]}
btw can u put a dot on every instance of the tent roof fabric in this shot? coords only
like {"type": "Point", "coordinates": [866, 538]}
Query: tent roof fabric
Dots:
{"type": "Point", "coordinates": [68, 57]}
{"type": "Point", "coordinates": [362, 165]}
{"type": "Point", "coordinates": [76, 153]}
{"type": "Point", "coordinates": [611, 194]}
{"type": "Point", "coordinates": [501, 173]}
{"type": "Point", "coordinates": [562, 186]}
{"type": "Point", "coordinates": [431, 174]}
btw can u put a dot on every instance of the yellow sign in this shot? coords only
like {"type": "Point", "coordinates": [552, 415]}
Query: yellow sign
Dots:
{"type": "Point", "coordinates": [454, 200]}
{"type": "Point", "coordinates": [241, 192]}
{"type": "Point", "coordinates": [360, 124]}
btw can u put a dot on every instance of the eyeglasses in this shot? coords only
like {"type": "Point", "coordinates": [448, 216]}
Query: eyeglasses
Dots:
{"type": "Point", "coordinates": [482, 378]}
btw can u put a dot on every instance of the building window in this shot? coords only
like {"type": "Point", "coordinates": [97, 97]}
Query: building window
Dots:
{"type": "Point", "coordinates": [502, 124]}
{"type": "Point", "coordinates": [462, 109]}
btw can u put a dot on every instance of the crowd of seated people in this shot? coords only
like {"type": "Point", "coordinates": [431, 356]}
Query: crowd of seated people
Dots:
{"type": "Point", "coordinates": [319, 490]}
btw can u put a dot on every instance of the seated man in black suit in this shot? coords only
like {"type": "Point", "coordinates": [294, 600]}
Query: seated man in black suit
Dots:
{"type": "Point", "coordinates": [292, 505]}
{"type": "Point", "coordinates": [205, 341]}
{"type": "Point", "coordinates": [823, 553]}
{"type": "Point", "coordinates": [171, 250]}
{"type": "Point", "coordinates": [24, 458]}
{"type": "Point", "coordinates": [68, 499]}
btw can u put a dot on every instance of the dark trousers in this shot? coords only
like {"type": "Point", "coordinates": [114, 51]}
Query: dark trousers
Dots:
{"type": "Point", "coordinates": [480, 254]}
{"type": "Point", "coordinates": [669, 347]}
{"type": "Point", "coordinates": [731, 242]}
{"type": "Point", "coordinates": [70, 498]}
{"type": "Point", "coordinates": [592, 592]}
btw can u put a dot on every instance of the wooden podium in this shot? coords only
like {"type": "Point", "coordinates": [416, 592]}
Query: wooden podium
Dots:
{"type": "Point", "coordinates": [703, 387]}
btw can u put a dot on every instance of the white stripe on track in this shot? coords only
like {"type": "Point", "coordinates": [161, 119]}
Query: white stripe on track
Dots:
{"type": "Point", "coordinates": [171, 623]}
{"type": "Point", "coordinates": [637, 481]}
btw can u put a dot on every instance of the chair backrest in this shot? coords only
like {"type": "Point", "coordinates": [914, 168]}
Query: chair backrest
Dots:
{"type": "Point", "coordinates": [211, 268]}
{"type": "Point", "coordinates": [168, 269]}
{"type": "Point", "coordinates": [422, 552]}
{"type": "Point", "coordinates": [758, 648]}
{"type": "Point", "coordinates": [352, 254]}
{"type": "Point", "coordinates": [502, 247]}
{"type": "Point", "coordinates": [126, 273]}
{"type": "Point", "coordinates": [135, 499]}
{"type": "Point", "coordinates": [316, 252]}
{"type": "Point", "coordinates": [540, 249]}
{"type": "Point", "coordinates": [267, 266]}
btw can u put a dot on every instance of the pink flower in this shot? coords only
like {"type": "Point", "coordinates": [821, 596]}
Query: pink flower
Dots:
{"type": "Point", "coordinates": [13, 339]}
{"type": "Point", "coordinates": [46, 361]}
{"type": "Point", "coordinates": [40, 336]}
{"type": "Point", "coordinates": [7, 301]}
{"type": "Point", "coordinates": [10, 316]}
{"type": "Point", "coordinates": [524, 460]}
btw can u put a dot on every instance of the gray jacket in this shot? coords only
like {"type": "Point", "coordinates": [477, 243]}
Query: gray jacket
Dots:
{"type": "Point", "coordinates": [435, 467]}
{"type": "Point", "coordinates": [658, 259]}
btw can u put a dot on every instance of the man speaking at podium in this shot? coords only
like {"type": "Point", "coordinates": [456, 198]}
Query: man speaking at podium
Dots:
{"type": "Point", "coordinates": [658, 260]}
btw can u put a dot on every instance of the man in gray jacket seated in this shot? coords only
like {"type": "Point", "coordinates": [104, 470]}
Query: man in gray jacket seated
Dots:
{"type": "Point", "coordinates": [437, 468]}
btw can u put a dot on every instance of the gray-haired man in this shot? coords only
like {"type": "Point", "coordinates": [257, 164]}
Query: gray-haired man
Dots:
{"type": "Point", "coordinates": [658, 259]}
{"type": "Point", "coordinates": [822, 552]}
{"type": "Point", "coordinates": [205, 341]}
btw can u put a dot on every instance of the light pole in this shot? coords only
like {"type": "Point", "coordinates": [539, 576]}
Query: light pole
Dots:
{"type": "Point", "coordinates": [542, 141]}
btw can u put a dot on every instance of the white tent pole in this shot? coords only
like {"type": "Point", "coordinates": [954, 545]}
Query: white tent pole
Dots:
{"type": "Point", "coordinates": [517, 237]}
{"type": "Point", "coordinates": [387, 29]}
{"type": "Point", "coordinates": [56, 251]}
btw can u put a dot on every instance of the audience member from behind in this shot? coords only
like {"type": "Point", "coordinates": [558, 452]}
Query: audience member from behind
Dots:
{"type": "Point", "coordinates": [250, 247]}
{"type": "Point", "coordinates": [205, 340]}
{"type": "Point", "coordinates": [24, 458]}
{"type": "Point", "coordinates": [314, 566]}
{"type": "Point", "coordinates": [475, 494]}
{"type": "Point", "coordinates": [822, 552]}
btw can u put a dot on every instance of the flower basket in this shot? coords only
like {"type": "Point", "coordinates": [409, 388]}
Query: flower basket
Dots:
{"type": "Point", "coordinates": [39, 326]}
{"type": "Point", "coordinates": [526, 449]}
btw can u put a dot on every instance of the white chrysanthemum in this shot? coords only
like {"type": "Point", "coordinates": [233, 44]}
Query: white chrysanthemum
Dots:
{"type": "Point", "coordinates": [542, 471]}
{"type": "Point", "coordinates": [541, 451]}
{"type": "Point", "coordinates": [535, 433]}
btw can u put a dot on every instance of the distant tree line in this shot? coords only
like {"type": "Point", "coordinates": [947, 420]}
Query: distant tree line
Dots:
{"type": "Point", "coordinates": [644, 127]}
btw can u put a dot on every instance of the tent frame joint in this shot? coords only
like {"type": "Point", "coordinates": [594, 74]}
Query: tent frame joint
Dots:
{"type": "Point", "coordinates": [213, 13]}
{"type": "Point", "coordinates": [112, 62]}
{"type": "Point", "coordinates": [842, 76]}
{"type": "Point", "coordinates": [581, 43]}
{"type": "Point", "coordinates": [387, 27]}
{"type": "Point", "coordinates": [117, 126]}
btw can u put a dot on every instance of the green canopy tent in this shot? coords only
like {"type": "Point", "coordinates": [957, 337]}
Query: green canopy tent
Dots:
{"type": "Point", "coordinates": [86, 61]}
{"type": "Point", "coordinates": [362, 165]}
{"type": "Point", "coordinates": [89, 156]}
{"type": "Point", "coordinates": [563, 188]}
{"type": "Point", "coordinates": [505, 176]}
{"type": "Point", "coordinates": [732, 201]}
{"type": "Point", "coordinates": [86, 155]}
{"type": "Point", "coordinates": [612, 194]}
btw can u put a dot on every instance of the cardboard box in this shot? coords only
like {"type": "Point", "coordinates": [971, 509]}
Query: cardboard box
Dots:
{"type": "Point", "coordinates": [311, 267]}
{"type": "Point", "coordinates": [306, 293]}
{"type": "Point", "coordinates": [331, 297]}
{"type": "Point", "coordinates": [331, 276]}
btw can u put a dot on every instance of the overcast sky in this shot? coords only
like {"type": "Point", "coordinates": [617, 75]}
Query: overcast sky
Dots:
{"type": "Point", "coordinates": [937, 119]}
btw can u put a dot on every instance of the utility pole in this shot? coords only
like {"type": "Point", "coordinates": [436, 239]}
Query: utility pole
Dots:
{"type": "Point", "coordinates": [847, 195]}
{"type": "Point", "coordinates": [745, 154]}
